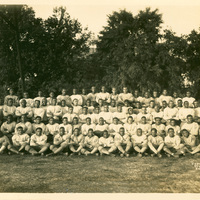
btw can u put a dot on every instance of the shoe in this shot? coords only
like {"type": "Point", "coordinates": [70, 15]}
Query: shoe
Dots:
{"type": "Point", "coordinates": [139, 155]}
{"type": "Point", "coordinates": [96, 154]}
{"type": "Point", "coordinates": [112, 155]}
{"type": "Point", "coordinates": [122, 155]}
{"type": "Point", "coordinates": [72, 154]}
{"type": "Point", "coordinates": [66, 154]}
{"type": "Point", "coordinates": [127, 155]}
{"type": "Point", "coordinates": [42, 154]}
{"type": "Point", "coordinates": [79, 153]}
{"type": "Point", "coordinates": [152, 155]}
{"type": "Point", "coordinates": [22, 153]}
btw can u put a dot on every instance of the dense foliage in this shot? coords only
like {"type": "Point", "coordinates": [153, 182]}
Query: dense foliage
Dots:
{"type": "Point", "coordinates": [132, 50]}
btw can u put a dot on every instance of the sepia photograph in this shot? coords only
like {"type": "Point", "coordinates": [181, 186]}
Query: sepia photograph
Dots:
{"type": "Point", "coordinates": [99, 97]}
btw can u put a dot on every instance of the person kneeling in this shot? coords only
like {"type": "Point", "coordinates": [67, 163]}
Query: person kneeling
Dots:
{"type": "Point", "coordinates": [155, 143]}
{"type": "Point", "coordinates": [139, 142]}
{"type": "Point", "coordinates": [91, 144]}
{"type": "Point", "coordinates": [106, 144]}
{"type": "Point", "coordinates": [38, 143]}
{"type": "Point", "coordinates": [122, 142]}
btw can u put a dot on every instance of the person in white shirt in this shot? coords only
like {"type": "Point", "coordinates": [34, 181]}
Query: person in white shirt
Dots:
{"type": "Point", "coordinates": [101, 104]}
{"type": "Point", "coordinates": [21, 141]}
{"type": "Point", "coordinates": [23, 109]}
{"type": "Point", "coordinates": [114, 127]}
{"type": "Point", "coordinates": [52, 129]}
{"type": "Point", "coordinates": [137, 108]}
{"type": "Point", "coordinates": [126, 106]}
{"type": "Point", "coordinates": [70, 114]}
{"type": "Point", "coordinates": [39, 98]}
{"type": "Point", "coordinates": [44, 106]}
{"type": "Point", "coordinates": [39, 124]}
{"type": "Point", "coordinates": [60, 143]}
{"type": "Point", "coordinates": [8, 127]}
{"type": "Point", "coordinates": [95, 116]}
{"type": "Point", "coordinates": [91, 144]}
{"type": "Point", "coordinates": [67, 126]}
{"type": "Point", "coordinates": [146, 128]}
{"type": "Point", "coordinates": [144, 113]}
{"type": "Point", "coordinates": [38, 143]}
{"type": "Point", "coordinates": [76, 124]}
{"type": "Point", "coordinates": [76, 96]}
{"type": "Point", "coordinates": [125, 95]}
{"type": "Point", "coordinates": [76, 142]}
{"type": "Point", "coordinates": [184, 112]}
{"type": "Point", "coordinates": [84, 96]}
{"type": "Point", "coordinates": [190, 143]}
{"type": "Point", "coordinates": [176, 98]}
{"type": "Point", "coordinates": [172, 124]}
{"type": "Point", "coordinates": [130, 126]}
{"type": "Point", "coordinates": [106, 144]}
{"type": "Point", "coordinates": [137, 97]}
{"type": "Point", "coordinates": [139, 141]}
{"type": "Point", "coordinates": [26, 125]}
{"type": "Point", "coordinates": [146, 99]}
{"type": "Point", "coordinates": [92, 95]}
{"type": "Point", "coordinates": [77, 109]}
{"type": "Point", "coordinates": [106, 115]}
{"type": "Point", "coordinates": [155, 143]}
{"type": "Point", "coordinates": [164, 97]}
{"type": "Point", "coordinates": [159, 127]}
{"type": "Point", "coordinates": [105, 96]}
{"type": "Point", "coordinates": [155, 97]}
{"type": "Point", "coordinates": [29, 101]}
{"type": "Point", "coordinates": [50, 98]}
{"type": "Point", "coordinates": [112, 106]}
{"type": "Point", "coordinates": [88, 104]}
{"type": "Point", "coordinates": [157, 113]}
{"type": "Point", "coordinates": [63, 96]}
{"type": "Point", "coordinates": [84, 115]}
{"type": "Point", "coordinates": [9, 109]}
{"type": "Point", "coordinates": [163, 105]}
{"type": "Point", "coordinates": [130, 113]}
{"type": "Point", "coordinates": [100, 127]}
{"type": "Point", "coordinates": [38, 111]}
{"type": "Point", "coordinates": [189, 99]}
{"type": "Point", "coordinates": [191, 126]}
{"type": "Point", "coordinates": [54, 111]}
{"type": "Point", "coordinates": [11, 96]}
{"type": "Point", "coordinates": [64, 107]}
{"type": "Point", "coordinates": [119, 114]}
{"type": "Point", "coordinates": [114, 96]}
{"type": "Point", "coordinates": [123, 142]}
{"type": "Point", "coordinates": [179, 104]}
{"type": "Point", "coordinates": [87, 126]}
{"type": "Point", "coordinates": [172, 144]}
{"type": "Point", "coordinates": [151, 107]}
{"type": "Point", "coordinates": [171, 112]}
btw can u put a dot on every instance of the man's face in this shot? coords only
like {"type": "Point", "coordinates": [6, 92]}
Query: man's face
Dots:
{"type": "Point", "coordinates": [62, 131]}
{"type": "Point", "coordinates": [64, 91]}
{"type": "Point", "coordinates": [119, 109]}
{"type": "Point", "coordinates": [186, 134]}
{"type": "Point", "coordinates": [179, 103]}
{"type": "Point", "coordinates": [38, 120]}
{"type": "Point", "coordinates": [23, 118]}
{"type": "Point", "coordinates": [103, 89]}
{"type": "Point", "coordinates": [65, 121]}
{"type": "Point", "coordinates": [9, 119]}
{"type": "Point", "coordinates": [165, 92]}
{"type": "Point", "coordinates": [151, 104]}
{"type": "Point", "coordinates": [175, 95]}
{"type": "Point", "coordinates": [121, 131]}
{"type": "Point", "coordinates": [23, 103]}
{"type": "Point", "coordinates": [20, 131]}
{"type": "Point", "coordinates": [195, 104]}
{"type": "Point", "coordinates": [88, 121]}
{"type": "Point", "coordinates": [113, 103]}
{"type": "Point", "coordinates": [157, 109]}
{"type": "Point", "coordinates": [155, 94]}
{"type": "Point", "coordinates": [85, 111]}
{"type": "Point", "coordinates": [146, 95]}
{"type": "Point", "coordinates": [40, 93]}
{"type": "Point", "coordinates": [11, 92]}
{"type": "Point", "coordinates": [90, 133]}
{"type": "Point", "coordinates": [113, 90]}
{"type": "Point", "coordinates": [70, 110]}
{"type": "Point", "coordinates": [44, 102]}
{"type": "Point", "coordinates": [93, 89]}
{"type": "Point", "coordinates": [105, 134]}
{"type": "Point", "coordinates": [171, 104]}
{"type": "Point", "coordinates": [188, 94]}
{"type": "Point", "coordinates": [143, 120]}
{"type": "Point", "coordinates": [25, 95]}
{"type": "Point", "coordinates": [83, 91]}
{"type": "Point", "coordinates": [157, 121]}
{"type": "Point", "coordinates": [130, 120]}
{"type": "Point", "coordinates": [164, 104]}
{"type": "Point", "coordinates": [74, 91]}
{"type": "Point", "coordinates": [54, 102]}
{"type": "Point", "coordinates": [38, 132]}
{"type": "Point", "coordinates": [37, 104]}
{"type": "Point", "coordinates": [136, 93]}
{"type": "Point", "coordinates": [125, 90]}
{"type": "Point", "coordinates": [75, 102]}
{"type": "Point", "coordinates": [10, 102]}
{"type": "Point", "coordinates": [153, 132]}
{"type": "Point", "coordinates": [97, 110]}
{"type": "Point", "coordinates": [75, 121]}
{"type": "Point", "coordinates": [171, 133]}
{"type": "Point", "coordinates": [130, 111]}
{"type": "Point", "coordinates": [115, 121]}
{"type": "Point", "coordinates": [172, 123]}
{"type": "Point", "coordinates": [144, 110]}
{"type": "Point", "coordinates": [190, 119]}
{"type": "Point", "coordinates": [63, 103]}
{"type": "Point", "coordinates": [101, 121]}
{"type": "Point", "coordinates": [186, 104]}
{"type": "Point", "coordinates": [106, 108]}
{"type": "Point", "coordinates": [51, 121]}
{"type": "Point", "coordinates": [139, 132]}
{"type": "Point", "coordinates": [51, 94]}
{"type": "Point", "coordinates": [76, 132]}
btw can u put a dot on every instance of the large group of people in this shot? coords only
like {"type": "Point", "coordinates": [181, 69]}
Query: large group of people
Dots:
{"type": "Point", "coordinates": [100, 123]}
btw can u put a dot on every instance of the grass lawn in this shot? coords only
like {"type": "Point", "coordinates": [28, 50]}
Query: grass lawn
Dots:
{"type": "Point", "coordinates": [105, 174]}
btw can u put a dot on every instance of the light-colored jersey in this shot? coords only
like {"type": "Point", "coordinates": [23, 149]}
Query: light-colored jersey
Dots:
{"type": "Point", "coordinates": [54, 111]}
{"type": "Point", "coordinates": [8, 110]}
{"type": "Point", "coordinates": [114, 128]}
{"type": "Point", "coordinates": [29, 102]}
{"type": "Point", "coordinates": [8, 127]}
{"type": "Point", "coordinates": [78, 97]}
{"type": "Point", "coordinates": [70, 116]}
{"type": "Point", "coordinates": [106, 142]}
{"type": "Point", "coordinates": [67, 127]}
{"type": "Point", "coordinates": [21, 111]}
{"type": "Point", "coordinates": [146, 128]}
{"type": "Point", "coordinates": [101, 127]}
{"type": "Point", "coordinates": [184, 112]}
{"type": "Point", "coordinates": [27, 127]}
{"type": "Point", "coordinates": [121, 139]}
{"type": "Point", "coordinates": [170, 113]}
{"type": "Point", "coordinates": [172, 141]}
{"type": "Point", "coordinates": [58, 139]}
{"type": "Point", "coordinates": [39, 112]}
{"type": "Point", "coordinates": [190, 101]}
{"type": "Point", "coordinates": [86, 127]}
{"type": "Point", "coordinates": [160, 128]}
{"type": "Point", "coordinates": [77, 139]}
{"type": "Point", "coordinates": [127, 96]}
{"type": "Point", "coordinates": [139, 139]}
{"type": "Point", "coordinates": [193, 128]}
{"type": "Point", "coordinates": [177, 129]}
{"type": "Point", "coordinates": [130, 129]}
{"type": "Point", "coordinates": [19, 140]}
{"type": "Point", "coordinates": [102, 95]}
{"type": "Point", "coordinates": [107, 116]}
{"type": "Point", "coordinates": [38, 140]}
{"type": "Point", "coordinates": [158, 140]}
{"type": "Point", "coordinates": [91, 141]}
{"type": "Point", "coordinates": [52, 129]}
{"type": "Point", "coordinates": [165, 98]}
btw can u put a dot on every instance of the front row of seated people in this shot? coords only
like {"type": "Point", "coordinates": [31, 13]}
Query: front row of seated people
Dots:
{"type": "Point", "coordinates": [118, 139]}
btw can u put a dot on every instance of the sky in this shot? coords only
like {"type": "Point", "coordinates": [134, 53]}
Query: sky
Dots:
{"type": "Point", "coordinates": [181, 16]}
